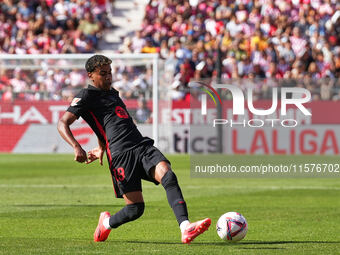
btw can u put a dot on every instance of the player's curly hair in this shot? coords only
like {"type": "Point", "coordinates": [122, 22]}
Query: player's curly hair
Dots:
{"type": "Point", "coordinates": [96, 61]}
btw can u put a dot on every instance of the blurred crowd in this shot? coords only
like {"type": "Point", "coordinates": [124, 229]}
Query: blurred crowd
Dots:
{"type": "Point", "coordinates": [228, 39]}
{"type": "Point", "coordinates": [51, 26]}
{"type": "Point", "coordinates": [32, 85]}
{"type": "Point", "coordinates": [63, 84]}
{"type": "Point", "coordinates": [258, 43]}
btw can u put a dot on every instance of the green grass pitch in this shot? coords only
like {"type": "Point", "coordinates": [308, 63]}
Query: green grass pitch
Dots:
{"type": "Point", "coordinates": [50, 204]}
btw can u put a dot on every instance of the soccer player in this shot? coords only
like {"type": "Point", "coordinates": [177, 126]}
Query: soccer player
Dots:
{"type": "Point", "coordinates": [131, 156]}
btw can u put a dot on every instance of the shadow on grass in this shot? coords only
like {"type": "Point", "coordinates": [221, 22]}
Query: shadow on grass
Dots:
{"type": "Point", "coordinates": [66, 205]}
{"type": "Point", "coordinates": [262, 248]}
{"type": "Point", "coordinates": [72, 205]}
{"type": "Point", "coordinates": [239, 244]}
{"type": "Point", "coordinates": [284, 242]}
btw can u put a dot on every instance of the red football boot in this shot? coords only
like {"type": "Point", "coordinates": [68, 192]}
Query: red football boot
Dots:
{"type": "Point", "coordinates": [195, 229]}
{"type": "Point", "coordinates": [101, 233]}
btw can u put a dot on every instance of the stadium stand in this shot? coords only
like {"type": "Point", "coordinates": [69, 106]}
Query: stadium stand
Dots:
{"type": "Point", "coordinates": [59, 84]}
{"type": "Point", "coordinates": [268, 39]}
{"type": "Point", "coordinates": [47, 26]}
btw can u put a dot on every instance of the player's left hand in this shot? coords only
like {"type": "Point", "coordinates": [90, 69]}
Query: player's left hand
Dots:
{"type": "Point", "coordinates": [95, 154]}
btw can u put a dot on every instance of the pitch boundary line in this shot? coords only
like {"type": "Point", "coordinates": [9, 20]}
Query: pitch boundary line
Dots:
{"type": "Point", "coordinates": [152, 187]}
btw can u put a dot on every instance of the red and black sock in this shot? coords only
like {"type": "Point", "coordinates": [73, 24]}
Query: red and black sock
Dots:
{"type": "Point", "coordinates": [175, 197]}
{"type": "Point", "coordinates": [128, 213]}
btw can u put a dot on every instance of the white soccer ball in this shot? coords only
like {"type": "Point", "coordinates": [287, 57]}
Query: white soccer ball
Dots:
{"type": "Point", "coordinates": [232, 227]}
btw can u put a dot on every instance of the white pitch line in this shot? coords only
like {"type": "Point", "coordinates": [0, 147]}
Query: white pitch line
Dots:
{"type": "Point", "coordinates": [152, 187]}
{"type": "Point", "coordinates": [52, 186]}
{"type": "Point", "coordinates": [268, 187]}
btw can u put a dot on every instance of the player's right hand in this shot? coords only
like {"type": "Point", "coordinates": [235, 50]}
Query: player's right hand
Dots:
{"type": "Point", "coordinates": [96, 153]}
{"type": "Point", "coordinates": [80, 155]}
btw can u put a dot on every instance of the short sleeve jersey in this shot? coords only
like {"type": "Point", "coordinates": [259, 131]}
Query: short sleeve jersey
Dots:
{"type": "Point", "coordinates": [106, 114]}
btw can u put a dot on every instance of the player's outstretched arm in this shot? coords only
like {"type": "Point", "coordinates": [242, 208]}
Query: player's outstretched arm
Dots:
{"type": "Point", "coordinates": [96, 153]}
{"type": "Point", "coordinates": [64, 130]}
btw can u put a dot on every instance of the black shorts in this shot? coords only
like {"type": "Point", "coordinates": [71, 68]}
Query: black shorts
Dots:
{"type": "Point", "coordinates": [130, 167]}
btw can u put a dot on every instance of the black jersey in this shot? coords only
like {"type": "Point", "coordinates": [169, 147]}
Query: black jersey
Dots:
{"type": "Point", "coordinates": [106, 114]}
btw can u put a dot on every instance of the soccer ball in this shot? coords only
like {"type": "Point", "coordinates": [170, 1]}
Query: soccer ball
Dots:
{"type": "Point", "coordinates": [232, 227]}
